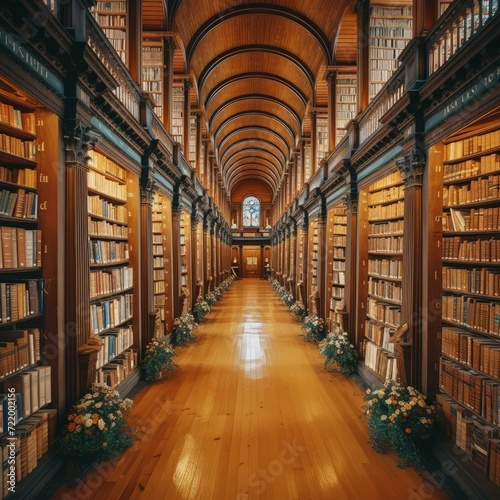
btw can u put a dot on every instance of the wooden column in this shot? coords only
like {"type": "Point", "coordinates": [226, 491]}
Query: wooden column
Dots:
{"type": "Point", "coordinates": [168, 81]}
{"type": "Point", "coordinates": [146, 274]}
{"type": "Point", "coordinates": [411, 168]}
{"type": "Point", "coordinates": [302, 163]}
{"type": "Point", "coordinates": [351, 201]}
{"type": "Point", "coordinates": [425, 14]}
{"type": "Point", "coordinates": [199, 144]}
{"type": "Point", "coordinates": [176, 277]}
{"type": "Point", "coordinates": [78, 140]}
{"type": "Point", "coordinates": [135, 40]}
{"type": "Point", "coordinates": [314, 143]}
{"type": "Point", "coordinates": [331, 78]}
{"type": "Point", "coordinates": [206, 255]}
{"type": "Point", "coordinates": [196, 258]}
{"type": "Point", "coordinates": [363, 76]}
{"type": "Point", "coordinates": [322, 251]}
{"type": "Point", "coordinates": [187, 116]}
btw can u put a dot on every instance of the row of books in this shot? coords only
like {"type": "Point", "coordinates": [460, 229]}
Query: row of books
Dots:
{"type": "Point", "coordinates": [20, 300]}
{"type": "Point", "coordinates": [383, 312]}
{"type": "Point", "coordinates": [392, 268]}
{"type": "Point", "coordinates": [20, 248]}
{"type": "Point", "coordinates": [23, 176]}
{"type": "Point", "coordinates": [340, 229]}
{"type": "Point", "coordinates": [480, 315]}
{"type": "Point", "coordinates": [482, 189]}
{"type": "Point", "coordinates": [385, 289]}
{"type": "Point", "coordinates": [386, 211]}
{"type": "Point", "coordinates": [34, 386]}
{"type": "Point", "coordinates": [339, 241]}
{"type": "Point", "coordinates": [16, 118]}
{"type": "Point", "coordinates": [107, 252]}
{"type": "Point", "coordinates": [34, 437]}
{"type": "Point", "coordinates": [380, 335]}
{"type": "Point", "coordinates": [111, 313]}
{"type": "Point", "coordinates": [401, 31]}
{"type": "Point", "coordinates": [479, 250]}
{"type": "Point", "coordinates": [108, 6]}
{"type": "Point", "coordinates": [470, 168]}
{"type": "Point", "coordinates": [104, 208]}
{"type": "Point", "coordinates": [158, 249]}
{"type": "Point", "coordinates": [114, 342]}
{"type": "Point", "coordinates": [380, 361]}
{"type": "Point", "coordinates": [159, 287]}
{"type": "Point", "coordinates": [105, 165]}
{"type": "Point", "coordinates": [390, 12]}
{"type": "Point", "coordinates": [392, 227]}
{"type": "Point", "coordinates": [481, 281]}
{"type": "Point", "coordinates": [475, 391]}
{"type": "Point", "coordinates": [20, 204]}
{"type": "Point", "coordinates": [18, 349]}
{"type": "Point", "coordinates": [158, 239]}
{"type": "Point", "coordinates": [104, 20]}
{"type": "Point", "coordinates": [389, 244]}
{"type": "Point", "coordinates": [479, 353]}
{"type": "Point", "coordinates": [118, 369]}
{"type": "Point", "coordinates": [111, 281]}
{"type": "Point", "coordinates": [105, 228]}
{"type": "Point", "coordinates": [157, 227]}
{"type": "Point", "coordinates": [472, 145]}
{"type": "Point", "coordinates": [473, 219]}
{"type": "Point", "coordinates": [158, 262]}
{"type": "Point", "coordinates": [338, 277]}
{"type": "Point", "coordinates": [337, 291]}
{"type": "Point", "coordinates": [339, 252]}
{"type": "Point", "coordinates": [18, 147]}
{"type": "Point", "coordinates": [477, 438]}
{"type": "Point", "coordinates": [390, 43]}
{"type": "Point", "coordinates": [106, 186]}
{"type": "Point", "coordinates": [385, 195]}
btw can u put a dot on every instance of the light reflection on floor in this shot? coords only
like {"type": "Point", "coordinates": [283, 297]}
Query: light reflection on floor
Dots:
{"type": "Point", "coordinates": [251, 345]}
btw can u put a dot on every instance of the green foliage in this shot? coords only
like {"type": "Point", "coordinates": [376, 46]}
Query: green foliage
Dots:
{"type": "Point", "coordinates": [400, 418]}
{"type": "Point", "coordinates": [159, 354]}
{"type": "Point", "coordinates": [200, 309]}
{"type": "Point", "coordinates": [183, 329]}
{"type": "Point", "coordinates": [338, 349]}
{"type": "Point", "coordinates": [315, 328]}
{"type": "Point", "coordinates": [298, 309]}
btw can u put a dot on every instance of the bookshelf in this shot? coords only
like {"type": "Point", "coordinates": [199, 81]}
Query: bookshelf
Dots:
{"type": "Point", "coordinates": [185, 249]}
{"type": "Point", "coordinates": [152, 72]}
{"type": "Point", "coordinates": [25, 376]}
{"type": "Point", "coordinates": [192, 141]}
{"type": "Point", "coordinates": [390, 31]}
{"type": "Point", "coordinates": [336, 264]}
{"type": "Point", "coordinates": [470, 353]}
{"type": "Point", "coordinates": [313, 264]}
{"type": "Point", "coordinates": [177, 131]}
{"type": "Point", "coordinates": [321, 137]}
{"type": "Point", "coordinates": [307, 161]}
{"type": "Point", "coordinates": [384, 202]}
{"type": "Point", "coordinates": [111, 274]}
{"type": "Point", "coordinates": [345, 102]}
{"type": "Point", "coordinates": [112, 17]}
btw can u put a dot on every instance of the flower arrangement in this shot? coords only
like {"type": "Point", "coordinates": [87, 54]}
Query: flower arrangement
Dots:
{"type": "Point", "coordinates": [210, 299]}
{"type": "Point", "coordinates": [183, 328]}
{"type": "Point", "coordinates": [275, 284]}
{"type": "Point", "coordinates": [286, 296]}
{"type": "Point", "coordinates": [298, 309]}
{"type": "Point", "coordinates": [338, 349]}
{"type": "Point", "coordinates": [200, 309]}
{"type": "Point", "coordinates": [97, 427]}
{"type": "Point", "coordinates": [218, 293]}
{"type": "Point", "coordinates": [315, 328]}
{"type": "Point", "coordinates": [159, 354]}
{"type": "Point", "coordinates": [400, 418]}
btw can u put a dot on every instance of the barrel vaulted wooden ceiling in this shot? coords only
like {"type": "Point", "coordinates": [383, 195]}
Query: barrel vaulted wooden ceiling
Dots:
{"type": "Point", "coordinates": [258, 70]}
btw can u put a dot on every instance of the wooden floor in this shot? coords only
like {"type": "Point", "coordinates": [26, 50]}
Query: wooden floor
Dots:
{"type": "Point", "coordinates": [251, 413]}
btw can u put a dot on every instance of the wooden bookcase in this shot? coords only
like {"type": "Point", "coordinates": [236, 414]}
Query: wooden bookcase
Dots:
{"type": "Point", "coordinates": [336, 262]}
{"type": "Point", "coordinates": [390, 31]}
{"type": "Point", "coordinates": [185, 249]}
{"type": "Point", "coordinates": [321, 138]}
{"type": "Point", "coordinates": [177, 131]}
{"type": "Point", "coordinates": [382, 222]}
{"type": "Point", "coordinates": [345, 102]}
{"type": "Point", "coordinates": [25, 373]}
{"type": "Point", "coordinates": [192, 141]}
{"type": "Point", "coordinates": [470, 361]}
{"type": "Point", "coordinates": [111, 273]}
{"type": "Point", "coordinates": [152, 72]}
{"type": "Point", "coordinates": [112, 17]}
{"type": "Point", "coordinates": [313, 263]}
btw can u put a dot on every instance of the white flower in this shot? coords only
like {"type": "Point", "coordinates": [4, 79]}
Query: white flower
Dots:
{"type": "Point", "coordinates": [101, 424]}
{"type": "Point", "coordinates": [99, 404]}
{"type": "Point", "coordinates": [383, 417]}
{"type": "Point", "coordinates": [88, 422]}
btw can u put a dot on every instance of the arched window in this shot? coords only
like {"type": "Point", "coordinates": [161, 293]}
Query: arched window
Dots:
{"type": "Point", "coordinates": [251, 212]}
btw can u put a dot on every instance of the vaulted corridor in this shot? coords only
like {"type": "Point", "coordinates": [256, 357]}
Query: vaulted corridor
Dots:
{"type": "Point", "coordinates": [250, 413]}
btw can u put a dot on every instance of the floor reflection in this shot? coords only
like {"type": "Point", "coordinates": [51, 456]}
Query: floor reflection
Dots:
{"type": "Point", "coordinates": [252, 345]}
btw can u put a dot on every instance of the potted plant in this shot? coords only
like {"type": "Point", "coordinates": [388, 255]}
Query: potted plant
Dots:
{"type": "Point", "coordinates": [183, 329]}
{"type": "Point", "coordinates": [400, 418]}
{"type": "Point", "coordinates": [315, 328]}
{"type": "Point", "coordinates": [97, 427]}
{"type": "Point", "coordinates": [158, 357]}
{"type": "Point", "coordinates": [200, 309]}
{"type": "Point", "coordinates": [298, 309]}
{"type": "Point", "coordinates": [338, 350]}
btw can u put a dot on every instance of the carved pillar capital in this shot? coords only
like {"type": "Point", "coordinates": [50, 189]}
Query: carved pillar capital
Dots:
{"type": "Point", "coordinates": [411, 168]}
{"type": "Point", "coordinates": [78, 139]}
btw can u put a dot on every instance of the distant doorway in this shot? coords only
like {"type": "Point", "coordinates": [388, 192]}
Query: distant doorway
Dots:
{"type": "Point", "coordinates": [251, 262]}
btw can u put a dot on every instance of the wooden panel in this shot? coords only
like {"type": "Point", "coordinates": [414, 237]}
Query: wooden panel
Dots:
{"type": "Point", "coordinates": [256, 188]}
{"type": "Point", "coordinates": [251, 264]}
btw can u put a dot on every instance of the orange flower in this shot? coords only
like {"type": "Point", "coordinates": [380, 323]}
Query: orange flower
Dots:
{"type": "Point", "coordinates": [408, 430]}
{"type": "Point", "coordinates": [71, 427]}
{"type": "Point", "coordinates": [95, 418]}
{"type": "Point", "coordinates": [105, 444]}
{"type": "Point", "coordinates": [405, 414]}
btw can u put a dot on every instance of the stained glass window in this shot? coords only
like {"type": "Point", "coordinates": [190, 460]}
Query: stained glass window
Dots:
{"type": "Point", "coordinates": [251, 212]}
